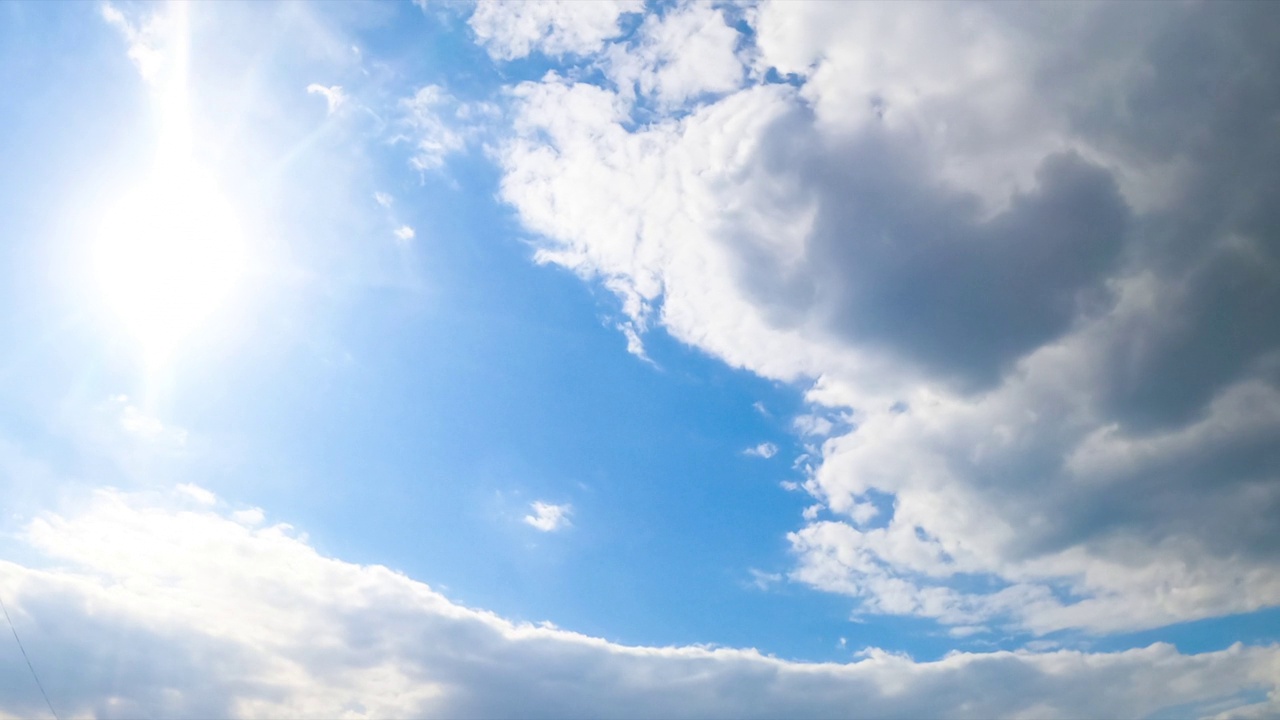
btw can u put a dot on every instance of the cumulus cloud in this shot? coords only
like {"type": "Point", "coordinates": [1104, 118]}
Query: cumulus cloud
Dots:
{"type": "Point", "coordinates": [225, 620]}
{"type": "Point", "coordinates": [677, 56]}
{"type": "Point", "coordinates": [548, 517]}
{"type": "Point", "coordinates": [1031, 271]}
{"type": "Point", "coordinates": [510, 30]}
{"type": "Point", "coordinates": [404, 234]}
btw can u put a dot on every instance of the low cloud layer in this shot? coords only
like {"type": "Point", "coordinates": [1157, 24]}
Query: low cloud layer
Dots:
{"type": "Point", "coordinates": [160, 606]}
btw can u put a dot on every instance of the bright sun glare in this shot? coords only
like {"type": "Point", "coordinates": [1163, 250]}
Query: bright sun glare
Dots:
{"type": "Point", "coordinates": [169, 255]}
{"type": "Point", "coordinates": [169, 252]}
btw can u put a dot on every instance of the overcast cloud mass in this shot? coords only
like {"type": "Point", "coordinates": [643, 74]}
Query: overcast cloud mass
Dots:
{"type": "Point", "coordinates": [1019, 264]}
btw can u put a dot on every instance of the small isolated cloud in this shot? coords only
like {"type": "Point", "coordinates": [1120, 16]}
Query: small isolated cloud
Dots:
{"type": "Point", "coordinates": [764, 580]}
{"type": "Point", "coordinates": [145, 427]}
{"type": "Point", "coordinates": [383, 199]}
{"type": "Point", "coordinates": [404, 234]}
{"type": "Point", "coordinates": [764, 450]}
{"type": "Point", "coordinates": [548, 517]}
{"type": "Point", "coordinates": [333, 95]}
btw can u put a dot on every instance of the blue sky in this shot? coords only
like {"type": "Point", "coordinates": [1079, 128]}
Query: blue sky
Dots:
{"type": "Point", "coordinates": [613, 359]}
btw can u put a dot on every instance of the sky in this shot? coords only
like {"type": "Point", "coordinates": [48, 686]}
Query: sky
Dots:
{"type": "Point", "coordinates": [624, 359]}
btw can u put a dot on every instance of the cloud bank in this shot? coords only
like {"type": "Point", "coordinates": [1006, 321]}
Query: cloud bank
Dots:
{"type": "Point", "coordinates": [1032, 252]}
{"type": "Point", "coordinates": [162, 606]}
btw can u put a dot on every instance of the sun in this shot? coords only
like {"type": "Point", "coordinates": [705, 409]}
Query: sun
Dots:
{"type": "Point", "coordinates": [169, 252]}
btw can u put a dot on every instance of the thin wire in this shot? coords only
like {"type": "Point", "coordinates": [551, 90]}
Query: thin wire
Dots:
{"type": "Point", "coordinates": [24, 657]}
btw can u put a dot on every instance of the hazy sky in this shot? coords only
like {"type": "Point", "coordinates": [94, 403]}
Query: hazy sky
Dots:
{"type": "Point", "coordinates": [612, 359]}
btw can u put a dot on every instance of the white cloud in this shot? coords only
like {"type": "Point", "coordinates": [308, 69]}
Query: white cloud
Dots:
{"type": "Point", "coordinates": [689, 51]}
{"type": "Point", "coordinates": [764, 450]}
{"type": "Point", "coordinates": [404, 234]}
{"type": "Point", "coordinates": [635, 344]}
{"type": "Point", "coordinates": [433, 137]}
{"type": "Point", "coordinates": [333, 95]}
{"type": "Point", "coordinates": [510, 30]}
{"type": "Point", "coordinates": [548, 517]}
{"type": "Point", "coordinates": [225, 620]}
{"type": "Point", "coordinates": [1028, 285]}
{"type": "Point", "coordinates": [383, 199]}
{"type": "Point", "coordinates": [197, 493]}
{"type": "Point", "coordinates": [146, 427]}
{"type": "Point", "coordinates": [810, 424]}
{"type": "Point", "coordinates": [150, 47]}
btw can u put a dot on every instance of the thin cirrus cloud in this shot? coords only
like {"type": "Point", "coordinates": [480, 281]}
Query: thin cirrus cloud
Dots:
{"type": "Point", "coordinates": [228, 618]}
{"type": "Point", "coordinates": [1038, 285]}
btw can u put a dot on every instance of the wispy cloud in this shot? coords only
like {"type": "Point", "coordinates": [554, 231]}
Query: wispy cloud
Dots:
{"type": "Point", "coordinates": [762, 580]}
{"type": "Point", "coordinates": [434, 137]}
{"type": "Point", "coordinates": [143, 426]}
{"type": "Point", "coordinates": [333, 95]}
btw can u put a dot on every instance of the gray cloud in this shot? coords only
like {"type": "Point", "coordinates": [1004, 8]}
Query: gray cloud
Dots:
{"type": "Point", "coordinates": [1046, 233]}
{"type": "Point", "coordinates": [896, 261]}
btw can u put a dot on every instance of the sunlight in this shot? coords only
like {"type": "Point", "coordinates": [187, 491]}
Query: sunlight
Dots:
{"type": "Point", "coordinates": [169, 252]}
